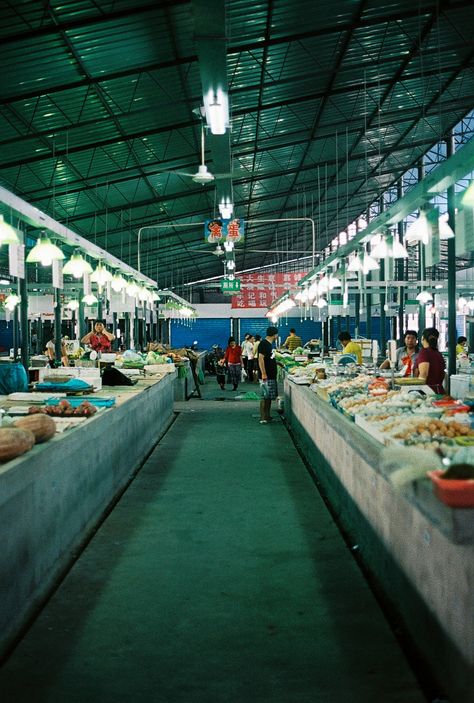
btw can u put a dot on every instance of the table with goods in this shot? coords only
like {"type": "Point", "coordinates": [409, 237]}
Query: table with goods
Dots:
{"type": "Point", "coordinates": [66, 453]}
{"type": "Point", "coordinates": [396, 464]}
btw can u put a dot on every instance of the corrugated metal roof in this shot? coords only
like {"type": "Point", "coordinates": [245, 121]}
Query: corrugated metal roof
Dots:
{"type": "Point", "coordinates": [331, 102]}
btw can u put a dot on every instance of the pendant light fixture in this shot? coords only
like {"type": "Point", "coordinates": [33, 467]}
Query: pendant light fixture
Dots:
{"type": "Point", "coordinates": [118, 282]}
{"type": "Point", "coordinates": [398, 250]}
{"type": "Point", "coordinates": [380, 248]}
{"type": "Point", "coordinates": [73, 305]}
{"type": "Point", "coordinates": [11, 301]}
{"type": "Point", "coordinates": [44, 252]}
{"type": "Point", "coordinates": [8, 234]}
{"type": "Point", "coordinates": [90, 299]}
{"type": "Point", "coordinates": [101, 275]}
{"type": "Point", "coordinates": [424, 297]}
{"type": "Point", "coordinates": [77, 266]}
{"type": "Point", "coordinates": [445, 231]}
{"type": "Point", "coordinates": [131, 289]}
{"type": "Point", "coordinates": [419, 230]}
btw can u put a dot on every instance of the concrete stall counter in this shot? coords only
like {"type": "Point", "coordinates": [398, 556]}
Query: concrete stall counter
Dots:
{"type": "Point", "coordinates": [419, 552]}
{"type": "Point", "coordinates": [52, 497]}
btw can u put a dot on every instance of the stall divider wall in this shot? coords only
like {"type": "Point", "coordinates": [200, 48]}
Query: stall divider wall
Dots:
{"type": "Point", "coordinates": [420, 553]}
{"type": "Point", "coordinates": [53, 497]}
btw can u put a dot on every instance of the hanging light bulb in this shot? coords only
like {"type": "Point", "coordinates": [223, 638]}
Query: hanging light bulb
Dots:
{"type": "Point", "coordinates": [380, 248]}
{"type": "Point", "coordinates": [424, 297]}
{"type": "Point", "coordinates": [398, 250]}
{"type": "Point", "coordinates": [445, 231]}
{"type": "Point", "coordinates": [355, 264]}
{"type": "Point", "coordinates": [44, 252]}
{"type": "Point", "coordinates": [101, 275]}
{"type": "Point", "coordinates": [369, 264]}
{"type": "Point", "coordinates": [8, 234]}
{"type": "Point", "coordinates": [419, 230]}
{"type": "Point", "coordinates": [11, 301]}
{"type": "Point", "coordinates": [73, 305]}
{"type": "Point", "coordinates": [155, 297]}
{"type": "Point", "coordinates": [322, 303]}
{"type": "Point", "coordinates": [77, 266]}
{"type": "Point", "coordinates": [90, 299]}
{"type": "Point", "coordinates": [118, 282]}
{"type": "Point", "coordinates": [131, 289]}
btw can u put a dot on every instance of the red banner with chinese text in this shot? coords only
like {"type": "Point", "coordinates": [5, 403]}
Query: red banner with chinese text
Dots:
{"type": "Point", "coordinates": [258, 290]}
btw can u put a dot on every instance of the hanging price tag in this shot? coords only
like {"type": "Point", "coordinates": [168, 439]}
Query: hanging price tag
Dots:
{"type": "Point", "coordinates": [57, 267]}
{"type": "Point", "coordinates": [16, 258]}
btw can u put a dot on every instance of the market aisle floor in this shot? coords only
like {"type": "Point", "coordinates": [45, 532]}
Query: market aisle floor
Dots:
{"type": "Point", "coordinates": [219, 577]}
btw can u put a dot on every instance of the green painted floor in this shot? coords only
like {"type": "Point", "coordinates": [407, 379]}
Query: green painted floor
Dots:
{"type": "Point", "coordinates": [218, 577]}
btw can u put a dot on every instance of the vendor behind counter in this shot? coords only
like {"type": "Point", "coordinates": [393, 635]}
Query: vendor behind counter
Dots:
{"type": "Point", "coordinates": [99, 339]}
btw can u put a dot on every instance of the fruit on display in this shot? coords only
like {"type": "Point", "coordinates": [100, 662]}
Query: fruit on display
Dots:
{"type": "Point", "coordinates": [14, 441]}
{"type": "Point", "coordinates": [43, 427]}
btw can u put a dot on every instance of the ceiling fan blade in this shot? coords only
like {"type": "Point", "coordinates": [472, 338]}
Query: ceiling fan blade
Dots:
{"type": "Point", "coordinates": [178, 173]}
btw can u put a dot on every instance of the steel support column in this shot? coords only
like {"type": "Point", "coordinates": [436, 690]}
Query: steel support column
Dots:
{"type": "Point", "coordinates": [450, 147]}
{"type": "Point", "coordinates": [24, 327]}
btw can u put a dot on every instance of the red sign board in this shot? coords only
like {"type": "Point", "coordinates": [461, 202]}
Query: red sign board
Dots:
{"type": "Point", "coordinates": [258, 290]}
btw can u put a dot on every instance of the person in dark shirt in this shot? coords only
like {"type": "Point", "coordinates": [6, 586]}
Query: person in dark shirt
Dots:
{"type": "Point", "coordinates": [267, 374]}
{"type": "Point", "coordinates": [430, 364]}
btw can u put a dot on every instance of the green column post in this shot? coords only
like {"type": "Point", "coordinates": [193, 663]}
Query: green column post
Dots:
{"type": "Point", "coordinates": [421, 262]}
{"type": "Point", "coordinates": [24, 327]}
{"type": "Point", "coordinates": [144, 332]}
{"type": "Point", "coordinates": [451, 270]}
{"type": "Point", "coordinates": [357, 314]}
{"type": "Point", "coordinates": [383, 316]}
{"type": "Point", "coordinates": [57, 325]}
{"type": "Point", "coordinates": [127, 330]}
{"type": "Point", "coordinates": [114, 329]}
{"type": "Point", "coordinates": [400, 274]}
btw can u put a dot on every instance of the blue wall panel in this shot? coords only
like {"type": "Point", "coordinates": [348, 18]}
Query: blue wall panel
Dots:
{"type": "Point", "coordinates": [205, 331]}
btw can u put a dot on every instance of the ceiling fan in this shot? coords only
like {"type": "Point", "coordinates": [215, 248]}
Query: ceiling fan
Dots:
{"type": "Point", "coordinates": [202, 175]}
{"type": "Point", "coordinates": [218, 251]}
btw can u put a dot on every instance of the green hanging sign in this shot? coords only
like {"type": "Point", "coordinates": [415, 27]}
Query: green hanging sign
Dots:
{"type": "Point", "coordinates": [230, 286]}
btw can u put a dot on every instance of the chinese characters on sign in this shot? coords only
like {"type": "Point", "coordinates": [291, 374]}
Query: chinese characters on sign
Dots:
{"type": "Point", "coordinates": [260, 289]}
{"type": "Point", "coordinates": [230, 286]}
{"type": "Point", "coordinates": [218, 230]}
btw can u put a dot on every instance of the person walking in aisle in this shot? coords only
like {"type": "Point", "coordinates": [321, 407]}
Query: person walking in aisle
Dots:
{"type": "Point", "coordinates": [233, 357]}
{"type": "Point", "coordinates": [244, 351]}
{"type": "Point", "coordinates": [293, 341]}
{"type": "Point", "coordinates": [250, 357]}
{"type": "Point", "coordinates": [267, 373]}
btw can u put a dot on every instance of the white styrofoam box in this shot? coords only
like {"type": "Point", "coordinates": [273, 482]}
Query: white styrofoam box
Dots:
{"type": "Point", "coordinates": [160, 368]}
{"type": "Point", "coordinates": [459, 386]}
{"type": "Point", "coordinates": [108, 356]}
{"type": "Point", "coordinates": [129, 372]}
{"type": "Point", "coordinates": [60, 371]}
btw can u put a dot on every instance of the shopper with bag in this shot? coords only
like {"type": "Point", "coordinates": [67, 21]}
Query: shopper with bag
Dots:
{"type": "Point", "coordinates": [267, 373]}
